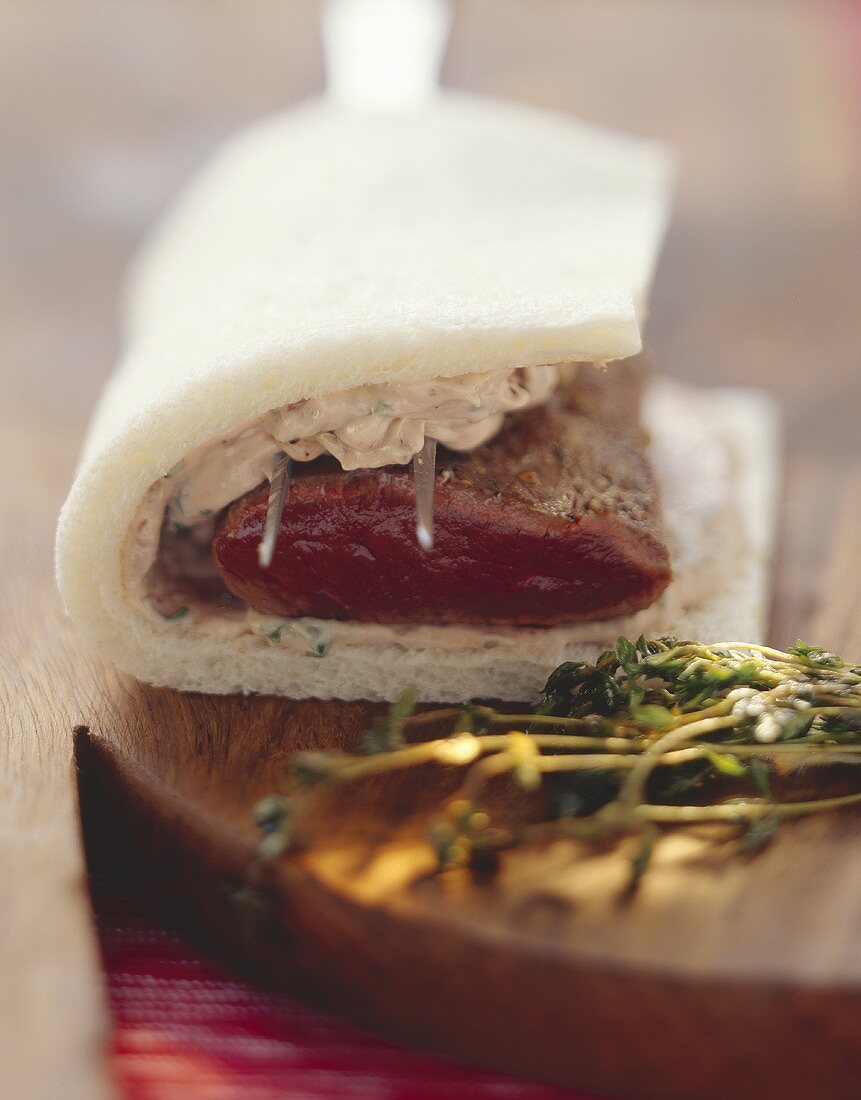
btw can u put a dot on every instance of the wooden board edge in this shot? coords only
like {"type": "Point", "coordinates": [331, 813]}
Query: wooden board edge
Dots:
{"type": "Point", "coordinates": [198, 883]}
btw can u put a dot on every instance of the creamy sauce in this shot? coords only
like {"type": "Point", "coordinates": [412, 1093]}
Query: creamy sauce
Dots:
{"type": "Point", "coordinates": [363, 428]}
{"type": "Point", "coordinates": [385, 425]}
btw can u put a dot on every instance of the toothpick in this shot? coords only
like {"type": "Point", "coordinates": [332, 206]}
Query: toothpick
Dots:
{"type": "Point", "coordinates": [279, 485]}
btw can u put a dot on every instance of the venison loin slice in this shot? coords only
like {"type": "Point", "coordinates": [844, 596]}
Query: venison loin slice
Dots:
{"type": "Point", "coordinates": [554, 520]}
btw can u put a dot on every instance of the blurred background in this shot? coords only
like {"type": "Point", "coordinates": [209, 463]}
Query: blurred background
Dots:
{"type": "Point", "coordinates": [107, 106]}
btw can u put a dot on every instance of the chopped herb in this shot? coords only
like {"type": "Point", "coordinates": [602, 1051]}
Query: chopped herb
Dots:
{"type": "Point", "coordinates": [317, 641]}
{"type": "Point", "coordinates": [180, 613]}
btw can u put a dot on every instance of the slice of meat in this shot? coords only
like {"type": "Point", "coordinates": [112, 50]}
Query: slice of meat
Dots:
{"type": "Point", "coordinates": [555, 520]}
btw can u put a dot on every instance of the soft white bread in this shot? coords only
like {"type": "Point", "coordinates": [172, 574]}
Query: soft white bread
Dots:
{"type": "Point", "coordinates": [322, 250]}
{"type": "Point", "coordinates": [715, 458]}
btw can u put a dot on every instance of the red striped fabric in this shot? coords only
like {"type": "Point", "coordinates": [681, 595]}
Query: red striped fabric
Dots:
{"type": "Point", "coordinates": [186, 1030]}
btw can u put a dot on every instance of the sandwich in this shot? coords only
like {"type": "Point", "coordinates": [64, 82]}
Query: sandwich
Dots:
{"type": "Point", "coordinates": [383, 420]}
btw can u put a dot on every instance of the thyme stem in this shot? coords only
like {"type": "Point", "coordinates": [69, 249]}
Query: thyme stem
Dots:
{"type": "Point", "coordinates": [635, 785]}
{"type": "Point", "coordinates": [748, 811]}
{"type": "Point", "coordinates": [618, 742]}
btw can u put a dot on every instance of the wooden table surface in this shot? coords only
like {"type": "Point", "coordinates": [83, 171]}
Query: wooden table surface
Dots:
{"type": "Point", "coordinates": [106, 108]}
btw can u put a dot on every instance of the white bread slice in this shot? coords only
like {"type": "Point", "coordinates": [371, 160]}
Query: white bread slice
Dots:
{"type": "Point", "coordinates": [324, 249]}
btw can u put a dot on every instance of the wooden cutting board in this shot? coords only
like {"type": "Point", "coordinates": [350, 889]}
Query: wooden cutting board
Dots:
{"type": "Point", "coordinates": [547, 969]}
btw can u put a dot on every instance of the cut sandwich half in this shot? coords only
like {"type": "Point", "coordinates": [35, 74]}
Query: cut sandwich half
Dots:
{"type": "Point", "coordinates": [352, 295]}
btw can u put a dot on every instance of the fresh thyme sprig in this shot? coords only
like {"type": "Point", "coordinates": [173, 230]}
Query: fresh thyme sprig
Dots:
{"type": "Point", "coordinates": [616, 744]}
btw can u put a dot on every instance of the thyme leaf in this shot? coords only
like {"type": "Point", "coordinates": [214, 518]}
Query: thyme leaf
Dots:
{"type": "Point", "coordinates": [814, 655]}
{"type": "Point", "coordinates": [386, 734]}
